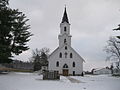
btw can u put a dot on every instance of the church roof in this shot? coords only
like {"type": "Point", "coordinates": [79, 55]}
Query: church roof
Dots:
{"type": "Point", "coordinates": [65, 17]}
{"type": "Point", "coordinates": [54, 51]}
{"type": "Point", "coordinates": [58, 49]}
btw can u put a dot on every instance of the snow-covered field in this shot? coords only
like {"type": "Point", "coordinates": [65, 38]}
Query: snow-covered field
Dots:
{"type": "Point", "coordinates": [33, 81]}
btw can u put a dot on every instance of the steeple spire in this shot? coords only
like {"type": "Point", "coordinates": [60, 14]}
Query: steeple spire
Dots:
{"type": "Point", "coordinates": [65, 18]}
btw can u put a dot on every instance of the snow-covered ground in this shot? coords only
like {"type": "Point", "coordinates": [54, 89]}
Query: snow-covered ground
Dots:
{"type": "Point", "coordinates": [33, 81]}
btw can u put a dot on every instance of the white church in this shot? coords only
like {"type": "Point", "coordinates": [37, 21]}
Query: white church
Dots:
{"type": "Point", "coordinates": [65, 59]}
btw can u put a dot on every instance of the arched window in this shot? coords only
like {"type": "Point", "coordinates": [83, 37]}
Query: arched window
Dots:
{"type": "Point", "coordinates": [71, 56]}
{"type": "Point", "coordinates": [60, 55]}
{"type": "Point", "coordinates": [65, 47]}
{"type": "Point", "coordinates": [65, 54]}
{"type": "Point", "coordinates": [57, 64]}
{"type": "Point", "coordinates": [65, 29]}
{"type": "Point", "coordinates": [73, 64]}
{"type": "Point", "coordinates": [65, 41]}
{"type": "Point", "coordinates": [65, 66]}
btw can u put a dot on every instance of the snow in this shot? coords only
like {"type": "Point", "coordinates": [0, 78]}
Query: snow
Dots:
{"type": "Point", "coordinates": [33, 81]}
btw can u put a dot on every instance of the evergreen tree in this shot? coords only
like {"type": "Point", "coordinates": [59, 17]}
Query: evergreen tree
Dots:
{"type": "Point", "coordinates": [44, 59]}
{"type": "Point", "coordinates": [37, 64]}
{"type": "Point", "coordinates": [14, 33]}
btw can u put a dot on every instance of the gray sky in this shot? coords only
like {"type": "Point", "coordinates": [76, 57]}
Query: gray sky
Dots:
{"type": "Point", "coordinates": [91, 22]}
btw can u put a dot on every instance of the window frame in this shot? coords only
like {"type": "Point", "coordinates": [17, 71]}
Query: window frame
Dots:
{"type": "Point", "coordinates": [57, 64]}
{"type": "Point", "coordinates": [65, 29]}
{"type": "Point", "coordinates": [66, 54]}
{"type": "Point", "coordinates": [71, 55]}
{"type": "Point", "coordinates": [65, 47]}
{"type": "Point", "coordinates": [60, 55]}
{"type": "Point", "coordinates": [65, 40]}
{"type": "Point", "coordinates": [73, 64]}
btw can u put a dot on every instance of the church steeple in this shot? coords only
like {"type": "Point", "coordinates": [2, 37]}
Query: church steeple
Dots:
{"type": "Point", "coordinates": [64, 36]}
{"type": "Point", "coordinates": [65, 17]}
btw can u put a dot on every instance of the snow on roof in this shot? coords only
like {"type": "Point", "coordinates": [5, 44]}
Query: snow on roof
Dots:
{"type": "Point", "coordinates": [98, 69]}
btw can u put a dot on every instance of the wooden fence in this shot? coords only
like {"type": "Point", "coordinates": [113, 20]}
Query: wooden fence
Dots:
{"type": "Point", "coordinates": [51, 75]}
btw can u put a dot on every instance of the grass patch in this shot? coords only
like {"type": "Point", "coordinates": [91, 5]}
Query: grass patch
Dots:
{"type": "Point", "coordinates": [14, 70]}
{"type": "Point", "coordinates": [21, 70]}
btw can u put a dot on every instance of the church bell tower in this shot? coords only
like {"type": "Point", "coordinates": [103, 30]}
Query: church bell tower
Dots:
{"type": "Point", "coordinates": [64, 58]}
{"type": "Point", "coordinates": [64, 36]}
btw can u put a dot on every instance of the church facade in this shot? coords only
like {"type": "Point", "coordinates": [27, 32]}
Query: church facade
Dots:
{"type": "Point", "coordinates": [65, 59]}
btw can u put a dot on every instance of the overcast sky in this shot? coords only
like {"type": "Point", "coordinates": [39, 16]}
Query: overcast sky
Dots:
{"type": "Point", "coordinates": [91, 22]}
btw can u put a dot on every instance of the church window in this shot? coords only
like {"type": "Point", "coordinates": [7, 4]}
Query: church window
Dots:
{"type": "Point", "coordinates": [65, 29]}
{"type": "Point", "coordinates": [65, 47]}
{"type": "Point", "coordinates": [65, 66]}
{"type": "Point", "coordinates": [65, 54]}
{"type": "Point", "coordinates": [60, 55]}
{"type": "Point", "coordinates": [65, 41]}
{"type": "Point", "coordinates": [73, 64]}
{"type": "Point", "coordinates": [57, 64]}
{"type": "Point", "coordinates": [71, 55]}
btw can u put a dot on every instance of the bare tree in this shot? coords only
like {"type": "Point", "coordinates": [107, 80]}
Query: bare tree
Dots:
{"type": "Point", "coordinates": [113, 48]}
{"type": "Point", "coordinates": [40, 58]}
{"type": "Point", "coordinates": [35, 53]}
{"type": "Point", "coordinates": [45, 50]}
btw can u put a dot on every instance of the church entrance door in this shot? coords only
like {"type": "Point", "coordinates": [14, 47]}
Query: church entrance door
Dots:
{"type": "Point", "coordinates": [65, 72]}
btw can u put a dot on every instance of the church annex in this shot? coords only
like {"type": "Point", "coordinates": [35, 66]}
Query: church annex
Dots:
{"type": "Point", "coordinates": [65, 59]}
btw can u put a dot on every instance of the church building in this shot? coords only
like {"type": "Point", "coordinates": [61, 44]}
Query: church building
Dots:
{"type": "Point", "coordinates": [65, 59]}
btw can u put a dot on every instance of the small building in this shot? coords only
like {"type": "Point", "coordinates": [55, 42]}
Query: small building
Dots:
{"type": "Point", "coordinates": [118, 64]}
{"type": "Point", "coordinates": [116, 68]}
{"type": "Point", "coordinates": [102, 71]}
{"type": "Point", "coordinates": [44, 68]}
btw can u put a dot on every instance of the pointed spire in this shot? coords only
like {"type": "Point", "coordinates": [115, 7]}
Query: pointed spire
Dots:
{"type": "Point", "coordinates": [65, 18]}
